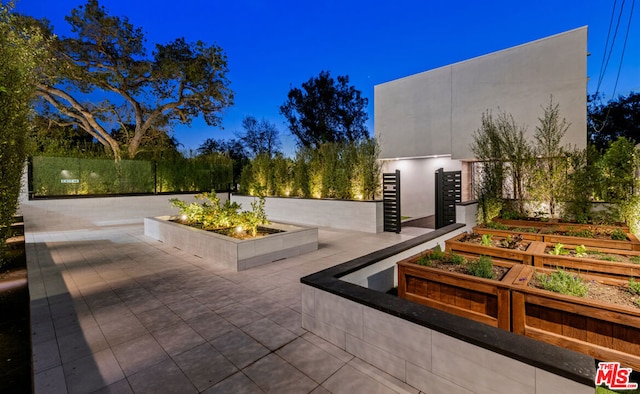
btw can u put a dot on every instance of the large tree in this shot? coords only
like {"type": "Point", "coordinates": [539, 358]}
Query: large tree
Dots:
{"type": "Point", "coordinates": [326, 110]}
{"type": "Point", "coordinates": [617, 118]}
{"type": "Point", "coordinates": [107, 58]}
{"type": "Point", "coordinates": [260, 136]}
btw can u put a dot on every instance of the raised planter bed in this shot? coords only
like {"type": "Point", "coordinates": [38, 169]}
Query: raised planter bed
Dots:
{"type": "Point", "coordinates": [483, 300]}
{"type": "Point", "coordinates": [631, 244]}
{"type": "Point", "coordinates": [511, 231]}
{"type": "Point", "coordinates": [556, 223]}
{"type": "Point", "coordinates": [471, 249]}
{"type": "Point", "coordinates": [608, 332]}
{"type": "Point", "coordinates": [590, 264]}
{"type": "Point", "coordinates": [232, 253]}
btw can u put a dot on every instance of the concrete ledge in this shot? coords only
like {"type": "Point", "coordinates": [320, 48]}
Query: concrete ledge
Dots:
{"type": "Point", "coordinates": [231, 253]}
{"type": "Point", "coordinates": [364, 216]}
{"type": "Point", "coordinates": [429, 349]}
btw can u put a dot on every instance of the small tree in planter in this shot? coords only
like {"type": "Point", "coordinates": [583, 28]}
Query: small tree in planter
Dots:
{"type": "Point", "coordinates": [549, 181]}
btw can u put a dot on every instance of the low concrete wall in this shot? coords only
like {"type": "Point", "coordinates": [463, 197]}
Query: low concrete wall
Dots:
{"type": "Point", "coordinates": [383, 274]}
{"type": "Point", "coordinates": [364, 216]}
{"type": "Point", "coordinates": [231, 253]}
{"type": "Point", "coordinates": [431, 350]}
{"type": "Point", "coordinates": [85, 212]}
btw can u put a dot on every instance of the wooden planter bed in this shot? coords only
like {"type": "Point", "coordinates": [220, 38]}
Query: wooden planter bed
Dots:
{"type": "Point", "coordinates": [557, 224]}
{"type": "Point", "coordinates": [483, 300]}
{"type": "Point", "coordinates": [590, 264]}
{"type": "Point", "coordinates": [512, 231]}
{"type": "Point", "coordinates": [471, 249]}
{"type": "Point", "coordinates": [631, 243]}
{"type": "Point", "coordinates": [605, 331]}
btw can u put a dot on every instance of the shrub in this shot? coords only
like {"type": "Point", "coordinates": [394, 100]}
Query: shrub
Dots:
{"type": "Point", "coordinates": [561, 281]}
{"type": "Point", "coordinates": [634, 287]}
{"type": "Point", "coordinates": [618, 235]}
{"type": "Point", "coordinates": [210, 214]}
{"type": "Point", "coordinates": [483, 267]}
{"type": "Point", "coordinates": [496, 226]}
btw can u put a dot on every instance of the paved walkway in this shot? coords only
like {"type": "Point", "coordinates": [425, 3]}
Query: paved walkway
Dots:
{"type": "Point", "coordinates": [114, 311]}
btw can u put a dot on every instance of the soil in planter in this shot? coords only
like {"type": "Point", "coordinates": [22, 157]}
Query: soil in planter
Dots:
{"type": "Point", "coordinates": [595, 233]}
{"type": "Point", "coordinates": [233, 232]}
{"type": "Point", "coordinates": [610, 294]}
{"type": "Point", "coordinates": [15, 337]}
{"type": "Point", "coordinates": [597, 255]}
{"type": "Point", "coordinates": [498, 271]}
{"type": "Point", "coordinates": [513, 243]}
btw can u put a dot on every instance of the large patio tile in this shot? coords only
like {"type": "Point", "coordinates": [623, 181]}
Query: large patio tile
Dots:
{"type": "Point", "coordinates": [204, 366]}
{"type": "Point", "coordinates": [210, 326]}
{"type": "Point", "coordinates": [178, 338]}
{"type": "Point", "coordinates": [239, 348]}
{"type": "Point", "coordinates": [349, 380]}
{"type": "Point", "coordinates": [239, 315]}
{"type": "Point", "coordinates": [236, 384]}
{"type": "Point", "coordinates": [269, 333]}
{"type": "Point", "coordinates": [139, 354]}
{"type": "Point", "coordinates": [92, 372]}
{"type": "Point", "coordinates": [273, 374]}
{"type": "Point", "coordinates": [310, 359]}
{"type": "Point", "coordinates": [158, 318]}
{"type": "Point", "coordinates": [164, 377]}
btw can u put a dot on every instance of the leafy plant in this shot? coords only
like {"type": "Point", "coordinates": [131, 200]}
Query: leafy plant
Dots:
{"type": "Point", "coordinates": [561, 281]}
{"type": "Point", "coordinates": [583, 233]}
{"type": "Point", "coordinates": [618, 235]}
{"type": "Point", "coordinates": [635, 259]}
{"type": "Point", "coordinates": [210, 214]}
{"type": "Point", "coordinates": [525, 229]}
{"type": "Point", "coordinates": [634, 287]}
{"type": "Point", "coordinates": [558, 250]}
{"type": "Point", "coordinates": [437, 254]}
{"type": "Point", "coordinates": [486, 239]}
{"type": "Point", "coordinates": [496, 226]}
{"type": "Point", "coordinates": [608, 258]}
{"type": "Point", "coordinates": [454, 258]}
{"type": "Point", "coordinates": [511, 242]}
{"type": "Point", "coordinates": [481, 268]}
{"type": "Point", "coordinates": [581, 251]}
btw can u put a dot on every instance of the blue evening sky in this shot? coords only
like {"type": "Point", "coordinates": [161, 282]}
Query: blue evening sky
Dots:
{"type": "Point", "coordinates": [273, 45]}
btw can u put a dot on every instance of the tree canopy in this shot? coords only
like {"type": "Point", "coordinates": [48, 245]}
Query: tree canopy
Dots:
{"type": "Point", "coordinates": [107, 58]}
{"type": "Point", "coordinates": [260, 136]}
{"type": "Point", "coordinates": [326, 110]}
{"type": "Point", "coordinates": [617, 118]}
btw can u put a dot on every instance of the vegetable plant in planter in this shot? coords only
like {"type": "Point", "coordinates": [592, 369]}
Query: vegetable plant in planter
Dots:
{"type": "Point", "coordinates": [512, 248]}
{"type": "Point", "coordinates": [611, 263]}
{"type": "Point", "coordinates": [599, 237]}
{"type": "Point", "coordinates": [589, 314]}
{"type": "Point", "coordinates": [475, 288]}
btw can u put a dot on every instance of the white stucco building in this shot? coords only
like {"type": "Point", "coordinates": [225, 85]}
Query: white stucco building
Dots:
{"type": "Point", "coordinates": [426, 121]}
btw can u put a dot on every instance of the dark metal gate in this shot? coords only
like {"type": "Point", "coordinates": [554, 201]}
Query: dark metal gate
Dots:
{"type": "Point", "coordinates": [448, 193]}
{"type": "Point", "coordinates": [391, 201]}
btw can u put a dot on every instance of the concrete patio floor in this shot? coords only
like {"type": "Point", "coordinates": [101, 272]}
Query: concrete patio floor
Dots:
{"type": "Point", "coordinates": [114, 311]}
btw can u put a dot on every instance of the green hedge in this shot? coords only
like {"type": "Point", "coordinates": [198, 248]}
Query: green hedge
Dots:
{"type": "Point", "coordinates": [63, 176]}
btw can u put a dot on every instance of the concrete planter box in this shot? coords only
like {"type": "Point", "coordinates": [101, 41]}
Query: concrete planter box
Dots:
{"type": "Point", "coordinates": [233, 253]}
{"type": "Point", "coordinates": [364, 216]}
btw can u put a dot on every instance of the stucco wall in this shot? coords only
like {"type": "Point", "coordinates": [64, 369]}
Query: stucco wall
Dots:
{"type": "Point", "coordinates": [436, 112]}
